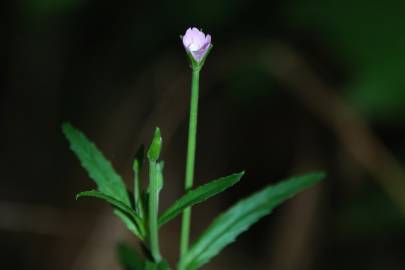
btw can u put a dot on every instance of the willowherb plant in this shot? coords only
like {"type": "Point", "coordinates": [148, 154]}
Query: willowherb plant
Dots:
{"type": "Point", "coordinates": [140, 211]}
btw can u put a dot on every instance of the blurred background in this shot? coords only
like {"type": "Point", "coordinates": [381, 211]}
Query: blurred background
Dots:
{"type": "Point", "coordinates": [290, 87]}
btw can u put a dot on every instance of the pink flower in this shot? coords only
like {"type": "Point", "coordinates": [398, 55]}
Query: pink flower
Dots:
{"type": "Point", "coordinates": [196, 43]}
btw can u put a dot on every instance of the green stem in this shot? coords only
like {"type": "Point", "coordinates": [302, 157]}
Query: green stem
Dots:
{"type": "Point", "coordinates": [153, 212]}
{"type": "Point", "coordinates": [192, 137]}
{"type": "Point", "coordinates": [137, 188]}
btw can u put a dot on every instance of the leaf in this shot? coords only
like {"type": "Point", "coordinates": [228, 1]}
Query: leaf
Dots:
{"type": "Point", "coordinates": [116, 203]}
{"type": "Point", "coordinates": [129, 258]}
{"type": "Point", "coordinates": [159, 175]}
{"type": "Point", "coordinates": [131, 225]}
{"type": "Point", "coordinates": [163, 265]}
{"type": "Point", "coordinates": [97, 166]}
{"type": "Point", "coordinates": [240, 217]}
{"type": "Point", "coordinates": [199, 195]}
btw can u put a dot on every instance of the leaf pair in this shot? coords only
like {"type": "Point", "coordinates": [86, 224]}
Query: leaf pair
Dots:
{"type": "Point", "coordinates": [110, 186]}
{"type": "Point", "coordinates": [240, 217]}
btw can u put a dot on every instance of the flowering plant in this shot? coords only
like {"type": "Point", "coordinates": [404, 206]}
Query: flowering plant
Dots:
{"type": "Point", "coordinates": [140, 211]}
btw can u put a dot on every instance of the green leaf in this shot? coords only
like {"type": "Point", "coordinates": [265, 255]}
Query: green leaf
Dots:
{"type": "Point", "coordinates": [138, 160]}
{"type": "Point", "coordinates": [156, 146]}
{"type": "Point", "coordinates": [240, 217]}
{"type": "Point", "coordinates": [159, 175]}
{"type": "Point", "coordinates": [199, 195]}
{"type": "Point", "coordinates": [163, 265]}
{"type": "Point", "coordinates": [131, 225]}
{"type": "Point", "coordinates": [117, 204]}
{"type": "Point", "coordinates": [129, 258]}
{"type": "Point", "coordinates": [97, 166]}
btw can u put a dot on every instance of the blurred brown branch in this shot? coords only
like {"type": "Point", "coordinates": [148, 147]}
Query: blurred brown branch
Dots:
{"type": "Point", "coordinates": [291, 69]}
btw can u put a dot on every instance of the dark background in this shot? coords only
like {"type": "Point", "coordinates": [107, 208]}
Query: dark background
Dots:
{"type": "Point", "coordinates": [290, 87]}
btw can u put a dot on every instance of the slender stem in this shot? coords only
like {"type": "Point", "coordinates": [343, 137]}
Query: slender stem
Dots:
{"type": "Point", "coordinates": [192, 138]}
{"type": "Point", "coordinates": [137, 188]}
{"type": "Point", "coordinates": [153, 212]}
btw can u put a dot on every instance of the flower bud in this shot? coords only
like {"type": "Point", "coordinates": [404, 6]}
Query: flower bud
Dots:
{"type": "Point", "coordinates": [197, 44]}
{"type": "Point", "coordinates": [155, 147]}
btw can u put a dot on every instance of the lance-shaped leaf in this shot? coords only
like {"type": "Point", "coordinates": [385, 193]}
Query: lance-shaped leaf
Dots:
{"type": "Point", "coordinates": [240, 217]}
{"type": "Point", "coordinates": [129, 258]}
{"type": "Point", "coordinates": [199, 195]}
{"type": "Point", "coordinates": [97, 166]}
{"type": "Point", "coordinates": [130, 223]}
{"type": "Point", "coordinates": [117, 204]}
